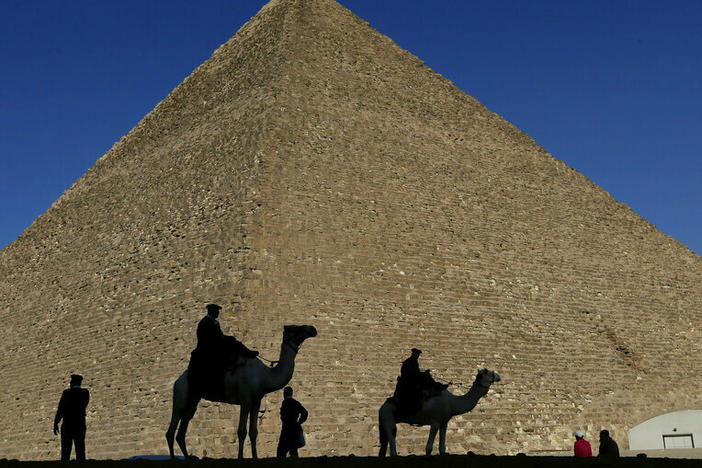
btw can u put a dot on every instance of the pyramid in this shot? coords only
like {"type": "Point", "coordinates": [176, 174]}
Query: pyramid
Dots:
{"type": "Point", "coordinates": [311, 171]}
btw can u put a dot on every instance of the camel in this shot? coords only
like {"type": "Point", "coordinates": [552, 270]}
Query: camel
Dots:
{"type": "Point", "coordinates": [435, 412]}
{"type": "Point", "coordinates": [244, 386]}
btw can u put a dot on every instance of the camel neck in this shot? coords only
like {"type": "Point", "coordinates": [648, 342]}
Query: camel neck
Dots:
{"type": "Point", "coordinates": [461, 404]}
{"type": "Point", "coordinates": [282, 372]}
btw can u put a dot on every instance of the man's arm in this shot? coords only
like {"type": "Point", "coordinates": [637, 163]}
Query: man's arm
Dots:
{"type": "Point", "coordinates": [59, 413]}
{"type": "Point", "coordinates": [303, 413]}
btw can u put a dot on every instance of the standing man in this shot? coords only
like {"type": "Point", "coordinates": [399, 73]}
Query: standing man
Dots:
{"type": "Point", "coordinates": [292, 414]}
{"type": "Point", "coordinates": [71, 409]}
{"type": "Point", "coordinates": [582, 447]}
{"type": "Point", "coordinates": [608, 447]}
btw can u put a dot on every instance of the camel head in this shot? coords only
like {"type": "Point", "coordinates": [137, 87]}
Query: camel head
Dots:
{"type": "Point", "coordinates": [485, 378]}
{"type": "Point", "coordinates": [294, 335]}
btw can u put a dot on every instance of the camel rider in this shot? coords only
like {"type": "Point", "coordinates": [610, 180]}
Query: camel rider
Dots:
{"type": "Point", "coordinates": [422, 379]}
{"type": "Point", "coordinates": [410, 367]}
{"type": "Point", "coordinates": [408, 391]}
{"type": "Point", "coordinates": [209, 333]}
{"type": "Point", "coordinates": [413, 385]}
{"type": "Point", "coordinates": [214, 352]}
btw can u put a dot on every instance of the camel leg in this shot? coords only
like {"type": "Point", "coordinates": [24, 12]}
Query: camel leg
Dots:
{"type": "Point", "coordinates": [241, 431]}
{"type": "Point", "coordinates": [383, 439]}
{"type": "Point", "coordinates": [180, 438]}
{"type": "Point", "coordinates": [442, 438]}
{"type": "Point", "coordinates": [432, 435]}
{"type": "Point", "coordinates": [170, 433]}
{"type": "Point", "coordinates": [392, 430]}
{"type": "Point", "coordinates": [183, 428]}
{"type": "Point", "coordinates": [184, 406]}
{"type": "Point", "coordinates": [253, 427]}
{"type": "Point", "coordinates": [387, 430]}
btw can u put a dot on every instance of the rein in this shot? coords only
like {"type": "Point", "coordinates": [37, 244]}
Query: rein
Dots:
{"type": "Point", "coordinates": [462, 386]}
{"type": "Point", "coordinates": [270, 363]}
{"type": "Point", "coordinates": [285, 342]}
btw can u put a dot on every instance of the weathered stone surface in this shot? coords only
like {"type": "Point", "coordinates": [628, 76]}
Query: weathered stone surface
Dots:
{"type": "Point", "coordinates": [313, 172]}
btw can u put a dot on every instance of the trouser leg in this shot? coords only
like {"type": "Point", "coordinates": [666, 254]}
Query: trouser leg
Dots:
{"type": "Point", "coordinates": [66, 442]}
{"type": "Point", "coordinates": [282, 450]}
{"type": "Point", "coordinates": [79, 441]}
{"type": "Point", "coordinates": [293, 452]}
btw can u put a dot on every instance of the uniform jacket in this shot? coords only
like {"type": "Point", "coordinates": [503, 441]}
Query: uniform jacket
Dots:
{"type": "Point", "coordinates": [292, 414]}
{"type": "Point", "coordinates": [71, 407]}
{"type": "Point", "coordinates": [410, 369]}
{"type": "Point", "coordinates": [209, 335]}
{"type": "Point", "coordinates": [290, 411]}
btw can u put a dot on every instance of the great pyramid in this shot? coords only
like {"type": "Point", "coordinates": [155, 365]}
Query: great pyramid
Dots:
{"type": "Point", "coordinates": [311, 171]}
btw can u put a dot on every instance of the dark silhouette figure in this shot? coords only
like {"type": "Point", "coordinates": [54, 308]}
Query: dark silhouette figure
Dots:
{"type": "Point", "coordinates": [414, 385]}
{"type": "Point", "coordinates": [71, 409]}
{"type": "Point", "coordinates": [292, 414]}
{"type": "Point", "coordinates": [215, 352]}
{"type": "Point", "coordinates": [582, 447]}
{"type": "Point", "coordinates": [410, 367]}
{"type": "Point", "coordinates": [608, 447]}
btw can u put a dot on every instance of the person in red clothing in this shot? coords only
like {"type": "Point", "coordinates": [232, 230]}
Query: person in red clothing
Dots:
{"type": "Point", "coordinates": [582, 447]}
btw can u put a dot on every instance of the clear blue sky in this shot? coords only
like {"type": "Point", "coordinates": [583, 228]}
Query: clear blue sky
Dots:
{"type": "Point", "coordinates": [613, 88]}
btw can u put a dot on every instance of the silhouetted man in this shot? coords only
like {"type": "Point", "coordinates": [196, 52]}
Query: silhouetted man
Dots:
{"type": "Point", "coordinates": [71, 409]}
{"type": "Point", "coordinates": [292, 414]}
{"type": "Point", "coordinates": [408, 391]}
{"type": "Point", "coordinates": [213, 352]}
{"type": "Point", "coordinates": [608, 447]}
{"type": "Point", "coordinates": [410, 367]}
{"type": "Point", "coordinates": [582, 447]}
{"type": "Point", "coordinates": [209, 333]}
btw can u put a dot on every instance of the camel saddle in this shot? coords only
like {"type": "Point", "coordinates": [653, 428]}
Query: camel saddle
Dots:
{"type": "Point", "coordinates": [206, 375]}
{"type": "Point", "coordinates": [410, 396]}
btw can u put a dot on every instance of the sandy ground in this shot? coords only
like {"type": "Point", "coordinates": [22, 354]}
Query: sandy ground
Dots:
{"type": "Point", "coordinates": [448, 461]}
